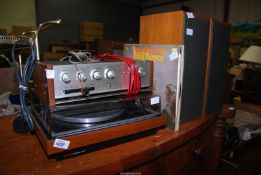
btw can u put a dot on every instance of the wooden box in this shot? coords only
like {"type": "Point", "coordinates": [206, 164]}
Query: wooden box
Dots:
{"type": "Point", "coordinates": [90, 38]}
{"type": "Point", "coordinates": [18, 30]}
{"type": "Point", "coordinates": [3, 31]}
{"type": "Point", "coordinates": [9, 81]}
{"type": "Point", "coordinates": [91, 31]}
{"type": "Point", "coordinates": [105, 46]}
{"type": "Point", "coordinates": [51, 56]}
{"type": "Point", "coordinates": [84, 32]}
{"type": "Point", "coordinates": [91, 25]}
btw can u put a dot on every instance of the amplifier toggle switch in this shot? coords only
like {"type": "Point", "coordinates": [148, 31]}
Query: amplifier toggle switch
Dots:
{"type": "Point", "coordinates": [110, 74]}
{"type": "Point", "coordinates": [65, 78]}
{"type": "Point", "coordinates": [82, 76]}
{"type": "Point", "coordinates": [141, 72]}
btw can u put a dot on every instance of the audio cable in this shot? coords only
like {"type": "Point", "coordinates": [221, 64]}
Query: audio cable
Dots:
{"type": "Point", "coordinates": [23, 121]}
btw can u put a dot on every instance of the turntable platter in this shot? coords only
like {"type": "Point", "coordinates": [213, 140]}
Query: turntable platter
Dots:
{"type": "Point", "coordinates": [90, 117]}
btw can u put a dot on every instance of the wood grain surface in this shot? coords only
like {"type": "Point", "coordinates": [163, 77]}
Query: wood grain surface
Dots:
{"type": "Point", "coordinates": [23, 154]}
{"type": "Point", "coordinates": [168, 28]}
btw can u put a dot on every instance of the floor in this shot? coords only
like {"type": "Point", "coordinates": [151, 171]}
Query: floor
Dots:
{"type": "Point", "coordinates": [246, 160]}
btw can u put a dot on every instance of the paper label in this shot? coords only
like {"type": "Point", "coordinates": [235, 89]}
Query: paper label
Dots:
{"type": "Point", "coordinates": [49, 74]}
{"type": "Point", "coordinates": [174, 54]}
{"type": "Point", "coordinates": [190, 15]}
{"type": "Point", "coordinates": [189, 32]}
{"type": "Point", "coordinates": [154, 100]}
{"type": "Point", "coordinates": [60, 143]}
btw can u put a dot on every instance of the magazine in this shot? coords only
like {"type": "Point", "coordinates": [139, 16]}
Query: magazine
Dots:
{"type": "Point", "coordinates": [167, 76]}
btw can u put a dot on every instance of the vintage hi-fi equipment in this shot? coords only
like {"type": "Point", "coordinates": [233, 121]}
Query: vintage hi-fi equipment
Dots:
{"type": "Point", "coordinates": [84, 103]}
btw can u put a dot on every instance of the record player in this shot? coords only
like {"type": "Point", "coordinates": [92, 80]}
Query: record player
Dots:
{"type": "Point", "coordinates": [79, 104]}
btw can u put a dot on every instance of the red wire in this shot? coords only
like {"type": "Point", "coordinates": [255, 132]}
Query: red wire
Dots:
{"type": "Point", "coordinates": [134, 77]}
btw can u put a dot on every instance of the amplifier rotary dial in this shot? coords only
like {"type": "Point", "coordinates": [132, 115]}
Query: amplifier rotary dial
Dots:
{"type": "Point", "coordinates": [82, 76]}
{"type": "Point", "coordinates": [110, 74]}
{"type": "Point", "coordinates": [65, 78]}
{"type": "Point", "coordinates": [96, 75]}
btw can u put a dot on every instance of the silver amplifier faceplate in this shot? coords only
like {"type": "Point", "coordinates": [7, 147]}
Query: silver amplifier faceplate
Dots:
{"type": "Point", "coordinates": [99, 77]}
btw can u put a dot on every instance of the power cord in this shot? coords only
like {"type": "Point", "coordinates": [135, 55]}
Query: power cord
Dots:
{"type": "Point", "coordinates": [78, 57]}
{"type": "Point", "coordinates": [133, 78]}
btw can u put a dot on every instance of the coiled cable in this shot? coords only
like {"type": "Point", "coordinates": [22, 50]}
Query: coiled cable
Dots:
{"type": "Point", "coordinates": [24, 78]}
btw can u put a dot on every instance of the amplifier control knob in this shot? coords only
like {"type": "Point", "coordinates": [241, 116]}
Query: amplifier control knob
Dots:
{"type": "Point", "coordinates": [97, 75]}
{"type": "Point", "coordinates": [66, 78]}
{"type": "Point", "coordinates": [82, 76]}
{"type": "Point", "coordinates": [110, 74]}
{"type": "Point", "coordinates": [141, 72]}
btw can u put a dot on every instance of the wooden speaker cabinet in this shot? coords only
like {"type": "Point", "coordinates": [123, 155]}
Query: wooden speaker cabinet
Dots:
{"type": "Point", "coordinates": [181, 28]}
{"type": "Point", "coordinates": [218, 55]}
{"type": "Point", "coordinates": [206, 44]}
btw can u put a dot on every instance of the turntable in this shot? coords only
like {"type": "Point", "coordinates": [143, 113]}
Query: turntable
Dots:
{"type": "Point", "coordinates": [80, 104]}
{"type": "Point", "coordinates": [82, 101]}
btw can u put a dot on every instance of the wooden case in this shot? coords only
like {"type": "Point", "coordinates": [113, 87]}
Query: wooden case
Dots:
{"type": "Point", "coordinates": [206, 43]}
{"type": "Point", "coordinates": [179, 28]}
{"type": "Point", "coordinates": [217, 63]}
{"type": "Point", "coordinates": [99, 136]}
{"type": "Point", "coordinates": [44, 88]}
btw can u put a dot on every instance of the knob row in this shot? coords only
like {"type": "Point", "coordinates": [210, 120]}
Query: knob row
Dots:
{"type": "Point", "coordinates": [96, 75]}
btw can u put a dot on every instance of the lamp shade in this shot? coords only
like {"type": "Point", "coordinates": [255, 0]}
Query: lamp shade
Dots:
{"type": "Point", "coordinates": [252, 54]}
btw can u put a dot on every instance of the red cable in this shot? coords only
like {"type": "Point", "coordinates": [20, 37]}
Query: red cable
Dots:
{"type": "Point", "coordinates": [134, 78]}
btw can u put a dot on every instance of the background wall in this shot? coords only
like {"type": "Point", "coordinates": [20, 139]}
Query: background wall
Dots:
{"type": "Point", "coordinates": [121, 21]}
{"type": "Point", "coordinates": [17, 12]}
{"type": "Point", "coordinates": [212, 8]}
{"type": "Point", "coordinates": [245, 11]}
{"type": "Point", "coordinates": [240, 10]}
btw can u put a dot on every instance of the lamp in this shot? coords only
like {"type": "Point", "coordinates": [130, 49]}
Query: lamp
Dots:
{"type": "Point", "coordinates": [252, 54]}
{"type": "Point", "coordinates": [251, 75]}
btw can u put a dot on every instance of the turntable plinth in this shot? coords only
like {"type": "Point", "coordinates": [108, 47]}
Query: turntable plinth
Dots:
{"type": "Point", "coordinates": [94, 137]}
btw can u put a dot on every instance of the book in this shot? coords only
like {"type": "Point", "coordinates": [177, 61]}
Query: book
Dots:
{"type": "Point", "coordinates": [167, 76]}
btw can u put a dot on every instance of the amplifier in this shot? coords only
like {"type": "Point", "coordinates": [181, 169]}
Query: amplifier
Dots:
{"type": "Point", "coordinates": [61, 81]}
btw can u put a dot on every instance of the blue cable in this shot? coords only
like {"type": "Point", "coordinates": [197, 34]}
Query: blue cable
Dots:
{"type": "Point", "coordinates": [23, 80]}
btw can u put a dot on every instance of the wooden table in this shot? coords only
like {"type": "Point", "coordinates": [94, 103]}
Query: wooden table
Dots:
{"type": "Point", "coordinates": [165, 152]}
